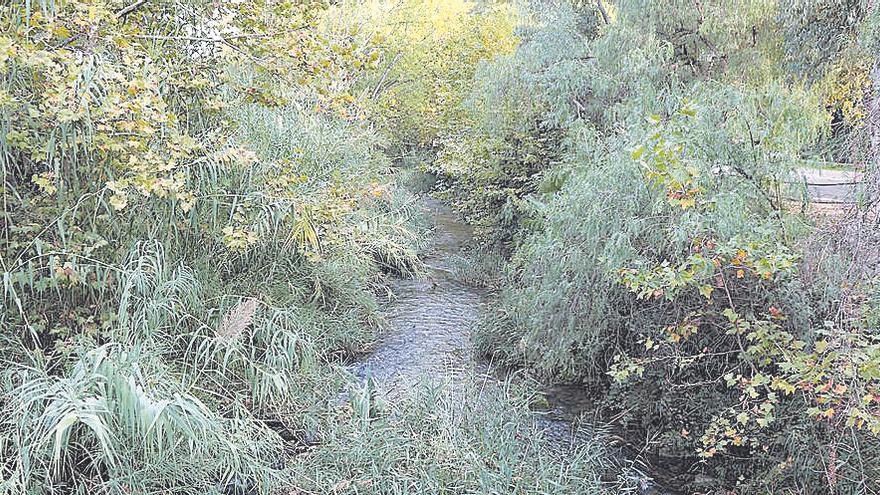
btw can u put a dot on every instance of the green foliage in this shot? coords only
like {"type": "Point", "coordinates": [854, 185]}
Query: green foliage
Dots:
{"type": "Point", "coordinates": [451, 438]}
{"type": "Point", "coordinates": [430, 50]}
{"type": "Point", "coordinates": [660, 262]}
{"type": "Point", "coordinates": [197, 221]}
{"type": "Point", "coordinates": [517, 111]}
{"type": "Point", "coordinates": [200, 207]}
{"type": "Point", "coordinates": [817, 31]}
{"type": "Point", "coordinates": [186, 249]}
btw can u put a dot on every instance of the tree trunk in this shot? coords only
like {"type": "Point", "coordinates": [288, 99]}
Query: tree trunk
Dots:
{"type": "Point", "coordinates": [871, 221]}
{"type": "Point", "coordinates": [872, 167]}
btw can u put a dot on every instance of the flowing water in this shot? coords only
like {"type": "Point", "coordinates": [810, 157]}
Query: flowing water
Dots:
{"type": "Point", "coordinates": [431, 318]}
{"type": "Point", "coordinates": [431, 323]}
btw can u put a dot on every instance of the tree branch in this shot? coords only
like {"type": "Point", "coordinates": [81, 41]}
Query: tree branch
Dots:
{"type": "Point", "coordinates": [603, 12]}
{"type": "Point", "coordinates": [131, 8]}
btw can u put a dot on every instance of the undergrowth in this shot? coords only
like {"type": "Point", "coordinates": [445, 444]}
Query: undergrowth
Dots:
{"type": "Point", "coordinates": [470, 437]}
{"type": "Point", "coordinates": [200, 212]}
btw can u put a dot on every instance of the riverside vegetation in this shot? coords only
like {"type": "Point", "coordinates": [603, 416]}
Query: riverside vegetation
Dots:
{"type": "Point", "coordinates": [204, 203]}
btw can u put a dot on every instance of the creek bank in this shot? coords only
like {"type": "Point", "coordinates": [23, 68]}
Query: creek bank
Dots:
{"type": "Point", "coordinates": [431, 320]}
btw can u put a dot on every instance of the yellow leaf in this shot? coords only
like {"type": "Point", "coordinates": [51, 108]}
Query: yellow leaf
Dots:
{"type": "Point", "coordinates": [638, 152]}
{"type": "Point", "coordinates": [706, 291]}
{"type": "Point", "coordinates": [187, 201]}
{"type": "Point", "coordinates": [118, 201]}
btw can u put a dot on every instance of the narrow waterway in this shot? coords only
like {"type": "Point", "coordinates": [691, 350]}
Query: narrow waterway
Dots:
{"type": "Point", "coordinates": [431, 322]}
{"type": "Point", "coordinates": [431, 318]}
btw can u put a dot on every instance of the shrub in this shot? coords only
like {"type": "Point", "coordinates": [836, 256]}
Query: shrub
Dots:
{"type": "Point", "coordinates": [659, 265]}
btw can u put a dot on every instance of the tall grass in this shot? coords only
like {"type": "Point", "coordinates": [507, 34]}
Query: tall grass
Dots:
{"type": "Point", "coordinates": [158, 358]}
{"type": "Point", "coordinates": [474, 437]}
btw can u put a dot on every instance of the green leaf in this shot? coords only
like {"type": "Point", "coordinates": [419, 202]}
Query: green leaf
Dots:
{"type": "Point", "coordinates": [60, 429]}
{"type": "Point", "coordinates": [638, 152]}
{"type": "Point", "coordinates": [730, 314]}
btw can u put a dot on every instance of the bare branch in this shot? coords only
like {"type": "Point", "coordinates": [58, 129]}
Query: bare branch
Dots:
{"type": "Point", "coordinates": [603, 12]}
{"type": "Point", "coordinates": [131, 8]}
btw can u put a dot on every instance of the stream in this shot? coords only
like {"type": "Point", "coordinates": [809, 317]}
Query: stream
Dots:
{"type": "Point", "coordinates": [431, 321]}
{"type": "Point", "coordinates": [430, 318]}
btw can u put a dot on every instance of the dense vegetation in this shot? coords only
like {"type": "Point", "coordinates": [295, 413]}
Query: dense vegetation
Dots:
{"type": "Point", "coordinates": [204, 203]}
{"type": "Point", "coordinates": [657, 254]}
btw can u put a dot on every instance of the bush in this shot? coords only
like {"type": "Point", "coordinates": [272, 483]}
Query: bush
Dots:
{"type": "Point", "coordinates": [659, 264]}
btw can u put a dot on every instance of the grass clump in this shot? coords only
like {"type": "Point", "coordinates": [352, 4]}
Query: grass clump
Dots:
{"type": "Point", "coordinates": [450, 438]}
